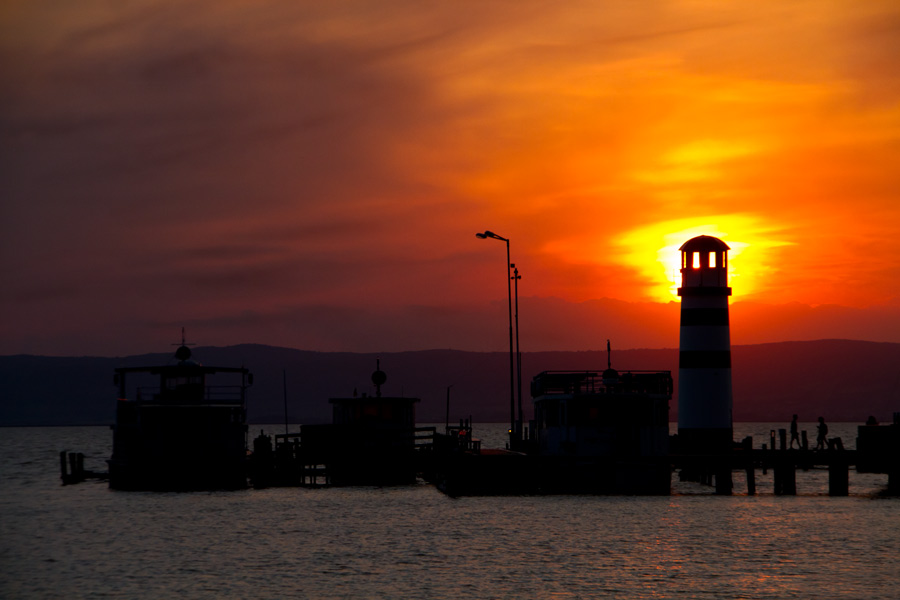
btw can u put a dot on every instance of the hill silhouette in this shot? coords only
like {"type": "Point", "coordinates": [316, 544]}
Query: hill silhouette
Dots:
{"type": "Point", "coordinates": [841, 380]}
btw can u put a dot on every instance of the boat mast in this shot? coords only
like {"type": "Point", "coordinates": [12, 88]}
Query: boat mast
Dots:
{"type": "Point", "coordinates": [284, 387]}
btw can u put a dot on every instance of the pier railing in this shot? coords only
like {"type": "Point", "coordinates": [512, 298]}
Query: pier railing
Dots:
{"type": "Point", "coordinates": [211, 394]}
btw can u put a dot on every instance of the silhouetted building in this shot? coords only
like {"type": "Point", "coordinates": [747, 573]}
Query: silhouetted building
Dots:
{"type": "Point", "coordinates": [374, 438]}
{"type": "Point", "coordinates": [704, 367]}
{"type": "Point", "coordinates": [371, 441]}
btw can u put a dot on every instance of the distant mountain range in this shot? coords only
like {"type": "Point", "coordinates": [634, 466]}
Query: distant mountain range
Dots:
{"type": "Point", "coordinates": [841, 380]}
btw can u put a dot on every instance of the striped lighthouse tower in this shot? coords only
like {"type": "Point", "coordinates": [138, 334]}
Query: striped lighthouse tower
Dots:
{"type": "Point", "coordinates": [704, 365]}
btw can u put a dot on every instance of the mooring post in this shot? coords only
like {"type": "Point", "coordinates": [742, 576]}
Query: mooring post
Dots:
{"type": "Point", "coordinates": [790, 479]}
{"type": "Point", "coordinates": [73, 464]}
{"type": "Point", "coordinates": [893, 487]}
{"type": "Point", "coordinates": [749, 466]}
{"type": "Point", "coordinates": [782, 437]}
{"type": "Point", "coordinates": [804, 440]}
{"type": "Point", "coordinates": [723, 479]}
{"type": "Point", "coordinates": [838, 477]}
{"type": "Point", "coordinates": [785, 478]}
{"type": "Point", "coordinates": [63, 471]}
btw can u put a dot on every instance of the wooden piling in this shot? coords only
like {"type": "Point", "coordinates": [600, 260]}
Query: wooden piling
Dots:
{"type": "Point", "coordinates": [724, 483]}
{"type": "Point", "coordinates": [893, 487]}
{"type": "Point", "coordinates": [73, 465]}
{"type": "Point", "coordinates": [785, 478]}
{"type": "Point", "coordinates": [749, 467]}
{"type": "Point", "coordinates": [790, 479]}
{"type": "Point", "coordinates": [838, 478]}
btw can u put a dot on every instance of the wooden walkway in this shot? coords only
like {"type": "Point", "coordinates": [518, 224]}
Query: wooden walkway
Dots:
{"type": "Point", "coordinates": [718, 470]}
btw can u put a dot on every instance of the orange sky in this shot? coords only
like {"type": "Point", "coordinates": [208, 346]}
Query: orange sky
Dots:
{"type": "Point", "coordinates": [312, 174]}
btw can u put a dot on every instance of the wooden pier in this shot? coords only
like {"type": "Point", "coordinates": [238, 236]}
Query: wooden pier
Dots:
{"type": "Point", "coordinates": [878, 451]}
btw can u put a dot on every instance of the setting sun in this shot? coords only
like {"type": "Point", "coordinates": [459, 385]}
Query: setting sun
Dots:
{"type": "Point", "coordinates": [653, 251]}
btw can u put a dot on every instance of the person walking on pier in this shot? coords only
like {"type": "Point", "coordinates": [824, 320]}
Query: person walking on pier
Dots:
{"type": "Point", "coordinates": [822, 437]}
{"type": "Point", "coordinates": [795, 433]}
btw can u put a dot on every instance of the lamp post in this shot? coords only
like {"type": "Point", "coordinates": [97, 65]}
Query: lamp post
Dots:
{"type": "Point", "coordinates": [512, 387]}
{"type": "Point", "coordinates": [516, 277]}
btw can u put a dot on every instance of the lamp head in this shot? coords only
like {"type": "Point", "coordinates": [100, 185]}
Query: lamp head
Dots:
{"type": "Point", "coordinates": [490, 234]}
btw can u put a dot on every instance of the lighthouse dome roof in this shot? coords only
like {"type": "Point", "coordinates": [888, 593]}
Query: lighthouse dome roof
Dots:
{"type": "Point", "coordinates": [704, 243]}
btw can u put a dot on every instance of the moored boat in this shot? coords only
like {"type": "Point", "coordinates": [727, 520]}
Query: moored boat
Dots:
{"type": "Point", "coordinates": [595, 432]}
{"type": "Point", "coordinates": [180, 426]}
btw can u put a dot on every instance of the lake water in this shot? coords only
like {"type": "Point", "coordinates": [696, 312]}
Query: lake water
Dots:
{"type": "Point", "coordinates": [85, 541]}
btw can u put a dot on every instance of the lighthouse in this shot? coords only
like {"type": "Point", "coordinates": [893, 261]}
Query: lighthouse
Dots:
{"type": "Point", "coordinates": [704, 363]}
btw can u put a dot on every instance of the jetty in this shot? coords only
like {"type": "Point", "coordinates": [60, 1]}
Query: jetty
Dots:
{"type": "Point", "coordinates": [877, 451]}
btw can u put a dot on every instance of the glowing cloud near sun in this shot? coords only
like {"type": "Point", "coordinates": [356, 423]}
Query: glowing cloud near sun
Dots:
{"type": "Point", "coordinates": [653, 251]}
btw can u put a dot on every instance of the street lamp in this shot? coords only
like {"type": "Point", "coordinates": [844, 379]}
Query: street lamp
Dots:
{"type": "Point", "coordinates": [512, 386]}
{"type": "Point", "coordinates": [516, 277]}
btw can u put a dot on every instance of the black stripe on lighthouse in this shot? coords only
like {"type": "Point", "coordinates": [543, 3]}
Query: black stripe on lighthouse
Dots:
{"type": "Point", "coordinates": [704, 291]}
{"type": "Point", "coordinates": [704, 316]}
{"type": "Point", "coordinates": [704, 359]}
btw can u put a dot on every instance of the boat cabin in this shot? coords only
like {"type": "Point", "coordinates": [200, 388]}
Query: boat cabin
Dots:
{"type": "Point", "coordinates": [180, 426]}
{"type": "Point", "coordinates": [601, 413]}
{"type": "Point", "coordinates": [374, 438]}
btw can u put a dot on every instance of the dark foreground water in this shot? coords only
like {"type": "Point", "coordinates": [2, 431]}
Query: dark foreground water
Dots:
{"type": "Point", "coordinates": [86, 541]}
